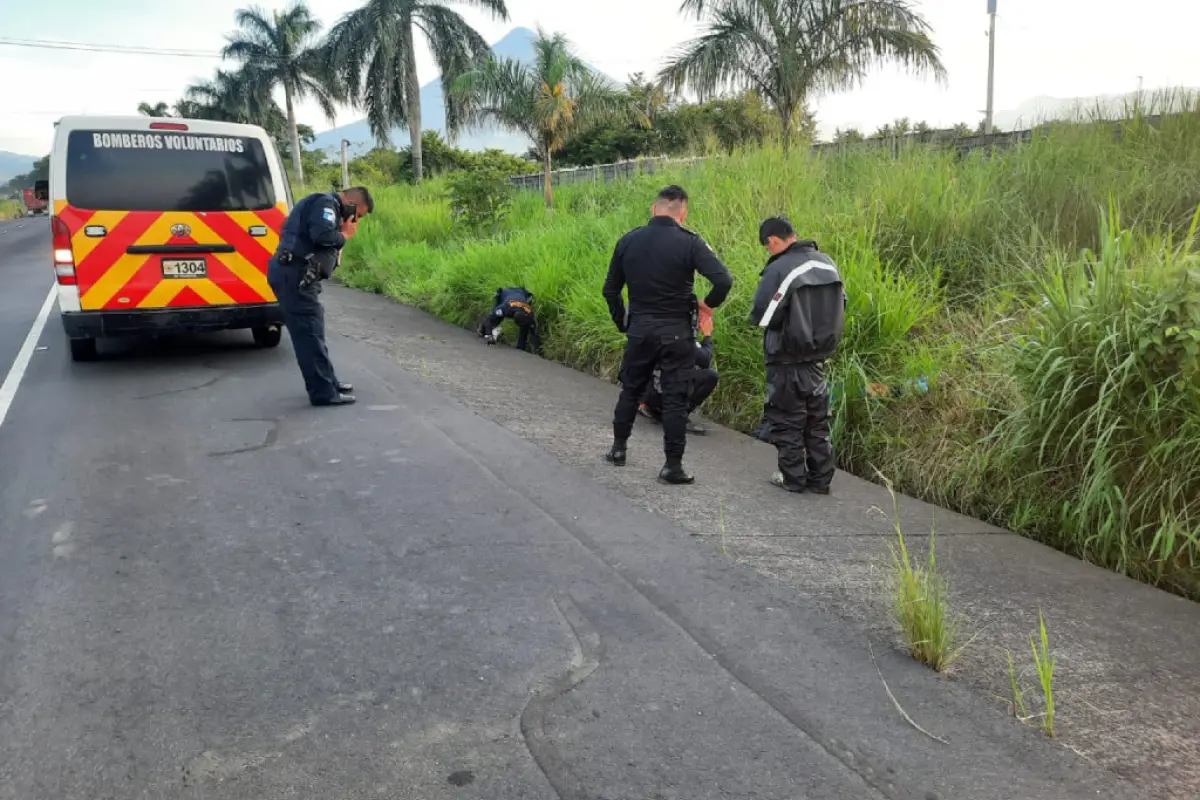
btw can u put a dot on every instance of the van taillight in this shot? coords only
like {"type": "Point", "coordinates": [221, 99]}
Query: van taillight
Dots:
{"type": "Point", "coordinates": [64, 258]}
{"type": "Point", "coordinates": [168, 126]}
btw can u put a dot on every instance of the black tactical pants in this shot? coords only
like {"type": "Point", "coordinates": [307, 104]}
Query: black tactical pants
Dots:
{"type": "Point", "coordinates": [304, 317]}
{"type": "Point", "coordinates": [798, 415]}
{"type": "Point", "coordinates": [703, 384]}
{"type": "Point", "coordinates": [672, 348]}
{"type": "Point", "coordinates": [526, 334]}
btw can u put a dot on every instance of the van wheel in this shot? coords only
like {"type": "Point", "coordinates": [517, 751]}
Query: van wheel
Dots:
{"type": "Point", "coordinates": [269, 336]}
{"type": "Point", "coordinates": [83, 349]}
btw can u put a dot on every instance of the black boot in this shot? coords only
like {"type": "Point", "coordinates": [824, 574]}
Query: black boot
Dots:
{"type": "Point", "coordinates": [616, 454]}
{"type": "Point", "coordinates": [674, 474]}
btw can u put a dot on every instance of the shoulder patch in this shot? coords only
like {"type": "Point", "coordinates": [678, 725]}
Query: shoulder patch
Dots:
{"type": "Point", "coordinates": [329, 214]}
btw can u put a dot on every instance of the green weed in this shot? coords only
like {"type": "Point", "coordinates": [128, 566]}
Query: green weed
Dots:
{"type": "Point", "coordinates": [920, 602]}
{"type": "Point", "coordinates": [1045, 299]}
{"type": "Point", "coordinates": [1045, 661]}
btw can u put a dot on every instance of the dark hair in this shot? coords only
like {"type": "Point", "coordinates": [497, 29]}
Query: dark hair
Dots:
{"type": "Point", "coordinates": [778, 227]}
{"type": "Point", "coordinates": [363, 194]}
{"type": "Point", "coordinates": [673, 194]}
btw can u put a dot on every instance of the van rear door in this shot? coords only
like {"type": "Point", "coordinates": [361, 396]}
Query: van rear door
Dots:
{"type": "Point", "coordinates": [170, 219]}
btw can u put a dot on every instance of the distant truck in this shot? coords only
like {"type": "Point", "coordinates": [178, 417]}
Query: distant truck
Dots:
{"type": "Point", "coordinates": [33, 201]}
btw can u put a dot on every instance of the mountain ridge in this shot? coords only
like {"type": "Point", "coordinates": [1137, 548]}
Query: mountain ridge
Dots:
{"type": "Point", "coordinates": [13, 164]}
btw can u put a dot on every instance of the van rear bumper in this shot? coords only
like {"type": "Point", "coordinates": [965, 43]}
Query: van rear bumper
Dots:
{"type": "Point", "coordinates": [97, 324]}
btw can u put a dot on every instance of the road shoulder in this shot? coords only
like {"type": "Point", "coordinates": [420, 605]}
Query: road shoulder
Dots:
{"type": "Point", "coordinates": [1124, 696]}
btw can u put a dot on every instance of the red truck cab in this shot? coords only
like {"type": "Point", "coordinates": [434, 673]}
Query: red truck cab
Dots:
{"type": "Point", "coordinates": [35, 199]}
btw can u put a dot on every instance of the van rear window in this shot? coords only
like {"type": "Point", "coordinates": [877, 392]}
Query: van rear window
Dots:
{"type": "Point", "coordinates": [167, 171]}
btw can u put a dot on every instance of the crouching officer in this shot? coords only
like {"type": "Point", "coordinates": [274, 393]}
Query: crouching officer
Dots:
{"type": "Point", "coordinates": [801, 307]}
{"type": "Point", "coordinates": [703, 380]}
{"type": "Point", "coordinates": [658, 262]}
{"type": "Point", "coordinates": [309, 251]}
{"type": "Point", "coordinates": [515, 303]}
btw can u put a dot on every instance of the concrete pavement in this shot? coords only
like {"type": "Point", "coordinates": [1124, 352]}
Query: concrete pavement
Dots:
{"type": "Point", "coordinates": [212, 590]}
{"type": "Point", "coordinates": [1124, 691]}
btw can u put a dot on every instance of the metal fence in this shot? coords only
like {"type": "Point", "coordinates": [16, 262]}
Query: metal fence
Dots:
{"type": "Point", "coordinates": [601, 173]}
{"type": "Point", "coordinates": [624, 170]}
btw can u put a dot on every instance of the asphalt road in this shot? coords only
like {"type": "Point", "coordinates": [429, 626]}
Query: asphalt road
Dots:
{"type": "Point", "coordinates": [25, 277]}
{"type": "Point", "coordinates": [209, 589]}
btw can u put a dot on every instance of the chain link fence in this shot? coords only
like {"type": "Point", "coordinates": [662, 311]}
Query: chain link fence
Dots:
{"type": "Point", "coordinates": [624, 170]}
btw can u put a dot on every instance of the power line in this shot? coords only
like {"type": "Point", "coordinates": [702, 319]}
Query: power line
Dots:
{"type": "Point", "coordinates": [87, 47]}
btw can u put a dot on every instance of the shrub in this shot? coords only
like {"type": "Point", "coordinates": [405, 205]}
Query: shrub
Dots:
{"type": "Point", "coordinates": [480, 198]}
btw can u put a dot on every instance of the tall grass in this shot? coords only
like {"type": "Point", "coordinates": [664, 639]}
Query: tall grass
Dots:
{"type": "Point", "coordinates": [9, 209]}
{"type": "Point", "coordinates": [1047, 296]}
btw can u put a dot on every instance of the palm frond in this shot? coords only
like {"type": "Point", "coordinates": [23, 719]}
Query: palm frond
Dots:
{"type": "Point", "coordinates": [457, 48]}
{"type": "Point", "coordinates": [549, 100]}
{"type": "Point", "coordinates": [790, 50]}
{"type": "Point", "coordinates": [499, 91]}
{"type": "Point", "coordinates": [496, 8]}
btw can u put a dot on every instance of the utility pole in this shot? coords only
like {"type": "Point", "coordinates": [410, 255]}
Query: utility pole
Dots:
{"type": "Point", "coordinates": [987, 120]}
{"type": "Point", "coordinates": [345, 165]}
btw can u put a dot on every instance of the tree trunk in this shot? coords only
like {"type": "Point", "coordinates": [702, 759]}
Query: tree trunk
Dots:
{"type": "Point", "coordinates": [413, 90]}
{"type": "Point", "coordinates": [785, 121]}
{"type": "Point", "coordinates": [548, 188]}
{"type": "Point", "coordinates": [297, 164]}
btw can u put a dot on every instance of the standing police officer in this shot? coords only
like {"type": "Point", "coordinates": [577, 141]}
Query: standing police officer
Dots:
{"type": "Point", "coordinates": [309, 251]}
{"type": "Point", "coordinates": [658, 262]}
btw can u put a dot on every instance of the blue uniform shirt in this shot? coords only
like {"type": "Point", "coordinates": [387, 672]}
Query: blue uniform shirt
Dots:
{"type": "Point", "coordinates": [314, 224]}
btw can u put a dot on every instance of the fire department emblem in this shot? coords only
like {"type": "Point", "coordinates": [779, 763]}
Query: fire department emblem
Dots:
{"type": "Point", "coordinates": [180, 230]}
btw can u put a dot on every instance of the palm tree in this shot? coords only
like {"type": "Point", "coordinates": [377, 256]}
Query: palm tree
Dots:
{"type": "Point", "coordinates": [792, 50]}
{"type": "Point", "coordinates": [550, 100]}
{"type": "Point", "coordinates": [156, 110]}
{"type": "Point", "coordinates": [650, 96]}
{"type": "Point", "coordinates": [242, 95]}
{"type": "Point", "coordinates": [280, 49]}
{"type": "Point", "coordinates": [374, 53]}
{"type": "Point", "coordinates": [230, 96]}
{"type": "Point", "coordinates": [847, 136]}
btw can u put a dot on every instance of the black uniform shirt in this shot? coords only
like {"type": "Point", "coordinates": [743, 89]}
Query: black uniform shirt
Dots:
{"type": "Point", "coordinates": [314, 224]}
{"type": "Point", "coordinates": [658, 262]}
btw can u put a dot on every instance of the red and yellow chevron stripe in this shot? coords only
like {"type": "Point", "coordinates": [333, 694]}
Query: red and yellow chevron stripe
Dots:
{"type": "Point", "coordinates": [109, 278]}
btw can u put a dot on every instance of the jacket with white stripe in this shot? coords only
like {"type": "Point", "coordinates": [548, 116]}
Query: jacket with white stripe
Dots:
{"type": "Point", "coordinates": [800, 305]}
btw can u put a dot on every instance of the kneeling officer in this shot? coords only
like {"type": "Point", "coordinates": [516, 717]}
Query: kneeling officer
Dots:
{"type": "Point", "coordinates": [309, 251]}
{"type": "Point", "coordinates": [515, 303]}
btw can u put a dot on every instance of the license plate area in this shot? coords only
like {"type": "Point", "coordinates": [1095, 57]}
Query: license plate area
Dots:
{"type": "Point", "coordinates": [184, 268]}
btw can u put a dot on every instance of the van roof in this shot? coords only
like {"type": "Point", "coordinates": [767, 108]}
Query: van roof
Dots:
{"type": "Point", "coordinates": [138, 122]}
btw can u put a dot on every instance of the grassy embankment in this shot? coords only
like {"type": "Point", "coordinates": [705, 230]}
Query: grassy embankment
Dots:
{"type": "Point", "coordinates": [9, 209]}
{"type": "Point", "coordinates": [1050, 295]}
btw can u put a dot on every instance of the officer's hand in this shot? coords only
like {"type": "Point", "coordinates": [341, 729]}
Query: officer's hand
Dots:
{"type": "Point", "coordinates": [350, 227]}
{"type": "Point", "coordinates": [706, 319]}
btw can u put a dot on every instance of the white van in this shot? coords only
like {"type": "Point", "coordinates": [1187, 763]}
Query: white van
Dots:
{"type": "Point", "coordinates": [164, 225]}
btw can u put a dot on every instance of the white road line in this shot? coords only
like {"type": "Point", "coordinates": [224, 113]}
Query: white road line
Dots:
{"type": "Point", "coordinates": [8, 389]}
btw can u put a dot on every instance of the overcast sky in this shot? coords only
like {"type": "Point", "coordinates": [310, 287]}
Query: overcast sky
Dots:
{"type": "Point", "coordinates": [1057, 48]}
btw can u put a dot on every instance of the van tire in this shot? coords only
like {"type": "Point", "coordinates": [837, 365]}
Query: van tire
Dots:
{"type": "Point", "coordinates": [83, 349]}
{"type": "Point", "coordinates": [268, 337]}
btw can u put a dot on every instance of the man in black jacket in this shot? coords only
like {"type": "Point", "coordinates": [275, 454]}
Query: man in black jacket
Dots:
{"type": "Point", "coordinates": [658, 263]}
{"type": "Point", "coordinates": [801, 307]}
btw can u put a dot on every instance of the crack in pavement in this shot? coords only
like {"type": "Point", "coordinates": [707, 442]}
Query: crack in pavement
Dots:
{"type": "Point", "coordinates": [271, 437]}
{"type": "Point", "coordinates": [181, 390]}
{"type": "Point", "coordinates": [590, 653]}
{"type": "Point", "coordinates": [872, 771]}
